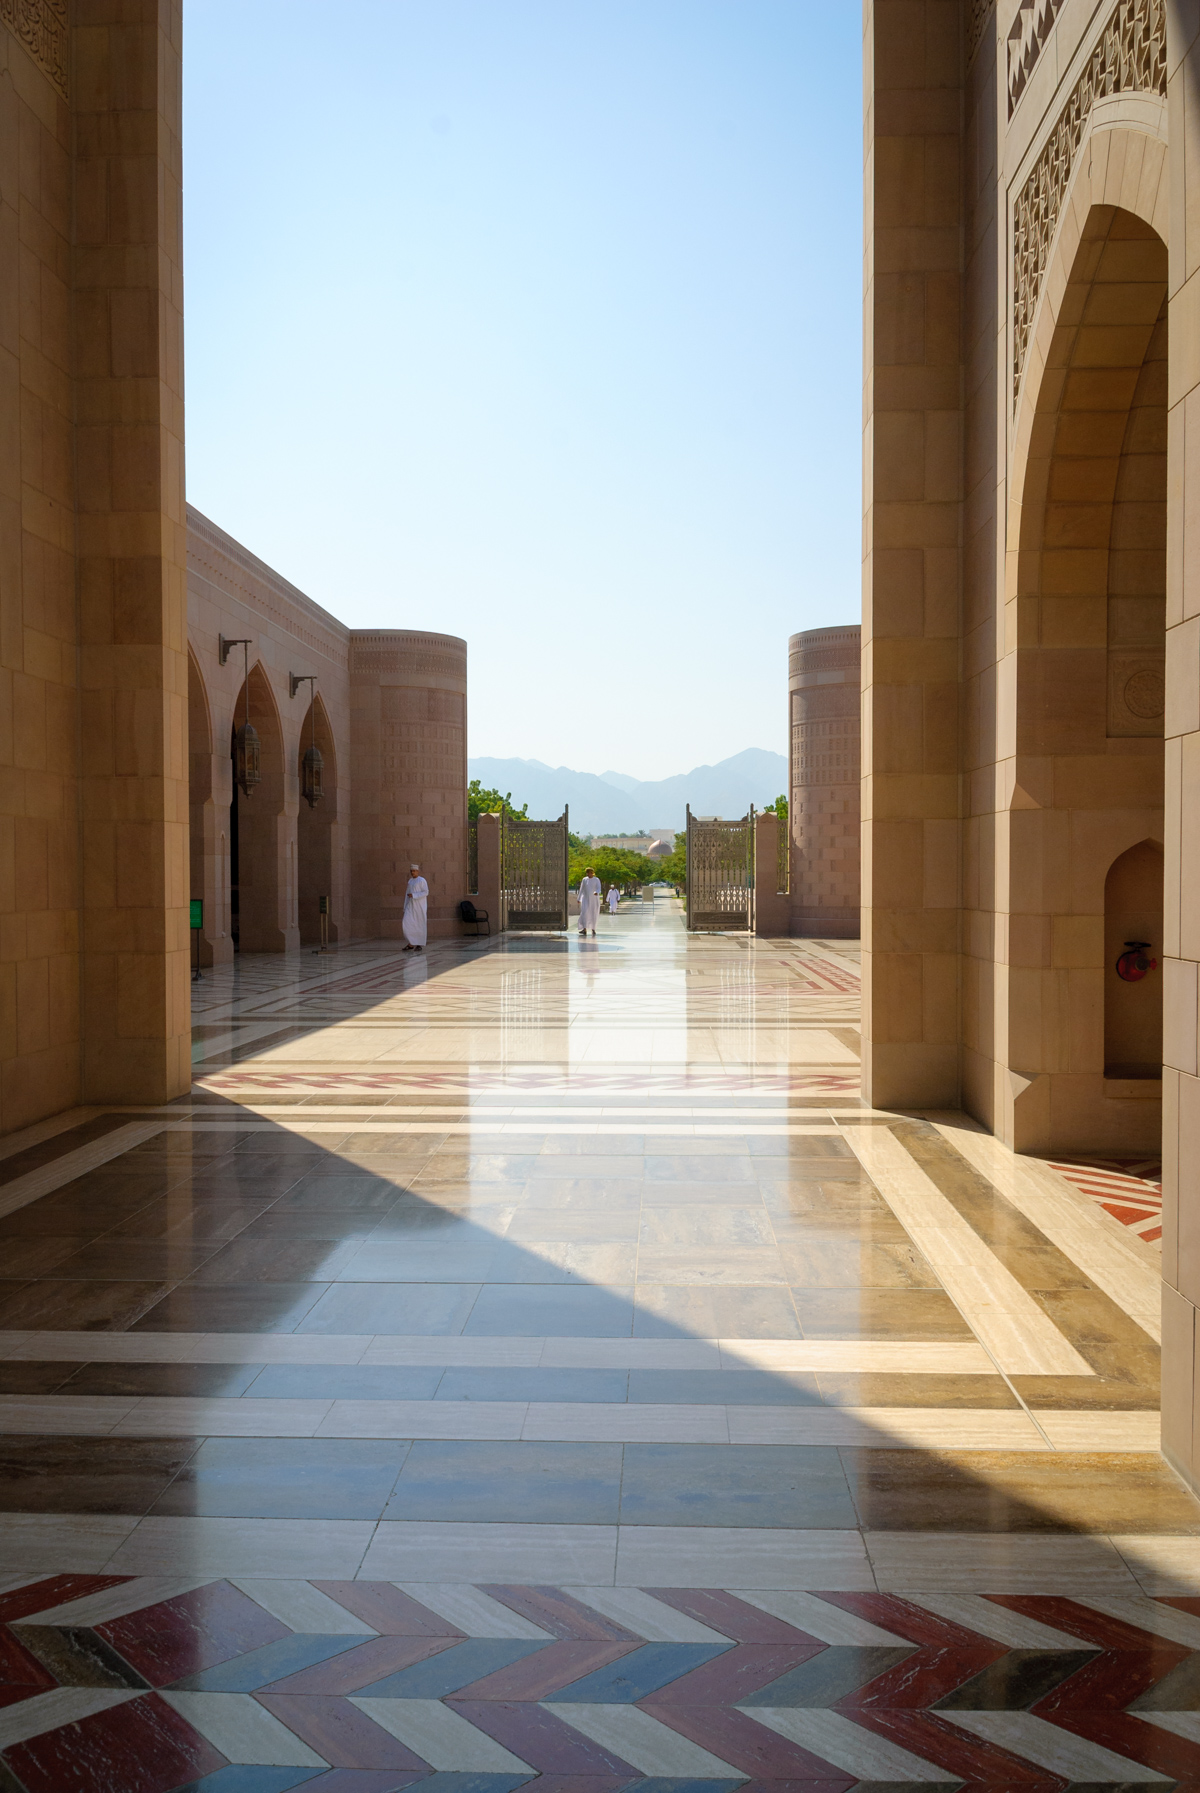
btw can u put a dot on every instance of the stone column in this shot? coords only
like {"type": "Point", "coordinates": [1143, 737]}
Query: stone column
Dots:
{"type": "Point", "coordinates": [489, 892]}
{"type": "Point", "coordinates": [825, 699]}
{"type": "Point", "coordinates": [911, 575]}
{"type": "Point", "coordinates": [1181, 913]}
{"type": "Point", "coordinates": [130, 534]}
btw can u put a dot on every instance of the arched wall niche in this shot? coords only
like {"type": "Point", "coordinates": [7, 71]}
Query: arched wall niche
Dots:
{"type": "Point", "coordinates": [1085, 632]}
{"type": "Point", "coordinates": [316, 829]}
{"type": "Point", "coordinates": [263, 891]}
{"type": "Point", "coordinates": [1133, 1008]}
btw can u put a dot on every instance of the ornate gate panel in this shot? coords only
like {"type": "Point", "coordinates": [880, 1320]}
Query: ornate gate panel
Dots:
{"type": "Point", "coordinates": [720, 871]}
{"type": "Point", "coordinates": [534, 873]}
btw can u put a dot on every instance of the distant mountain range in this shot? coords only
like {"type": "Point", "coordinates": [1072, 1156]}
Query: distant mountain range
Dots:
{"type": "Point", "coordinates": [614, 803]}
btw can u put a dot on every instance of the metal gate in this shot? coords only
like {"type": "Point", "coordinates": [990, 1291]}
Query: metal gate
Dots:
{"type": "Point", "coordinates": [534, 873]}
{"type": "Point", "coordinates": [720, 871]}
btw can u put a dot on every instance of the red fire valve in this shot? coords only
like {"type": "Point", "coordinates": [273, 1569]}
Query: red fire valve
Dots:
{"type": "Point", "coordinates": [1133, 963]}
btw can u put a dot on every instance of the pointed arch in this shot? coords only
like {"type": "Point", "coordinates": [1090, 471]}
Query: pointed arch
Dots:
{"type": "Point", "coordinates": [262, 851]}
{"type": "Point", "coordinates": [316, 829]}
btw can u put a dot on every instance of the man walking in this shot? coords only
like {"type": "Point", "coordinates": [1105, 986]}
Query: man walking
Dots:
{"type": "Point", "coordinates": [415, 922]}
{"type": "Point", "coordinates": [589, 902]}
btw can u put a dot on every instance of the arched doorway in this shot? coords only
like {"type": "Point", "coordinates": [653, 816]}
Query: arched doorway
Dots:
{"type": "Point", "coordinates": [262, 882]}
{"type": "Point", "coordinates": [1089, 624]}
{"type": "Point", "coordinates": [316, 829]}
{"type": "Point", "coordinates": [208, 827]}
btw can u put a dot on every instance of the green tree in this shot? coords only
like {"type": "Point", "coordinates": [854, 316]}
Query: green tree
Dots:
{"type": "Point", "coordinates": [673, 869]}
{"type": "Point", "coordinates": [578, 843]}
{"type": "Point", "coordinates": [484, 803]}
{"type": "Point", "coordinates": [778, 808]}
{"type": "Point", "coordinates": [613, 865]}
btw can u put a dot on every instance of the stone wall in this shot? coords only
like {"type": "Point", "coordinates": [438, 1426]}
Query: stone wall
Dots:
{"type": "Point", "coordinates": [409, 749]}
{"type": "Point", "coordinates": [824, 698]}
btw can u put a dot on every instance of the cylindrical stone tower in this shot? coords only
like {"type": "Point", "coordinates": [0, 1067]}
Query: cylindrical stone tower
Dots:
{"type": "Point", "coordinates": [408, 725]}
{"type": "Point", "coordinates": [825, 700]}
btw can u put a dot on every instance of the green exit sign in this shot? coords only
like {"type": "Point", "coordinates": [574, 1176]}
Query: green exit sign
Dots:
{"type": "Point", "coordinates": [197, 908]}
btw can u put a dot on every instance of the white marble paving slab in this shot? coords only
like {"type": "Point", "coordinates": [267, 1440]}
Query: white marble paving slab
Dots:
{"type": "Point", "coordinates": [314, 1549]}
{"type": "Point", "coordinates": [722, 1557]}
{"type": "Point", "coordinates": [910, 1357]}
{"type": "Point", "coordinates": [62, 1543]}
{"type": "Point", "coordinates": [302, 1607]}
{"type": "Point", "coordinates": [115, 1602]}
{"type": "Point", "coordinates": [1047, 1744]}
{"type": "Point", "coordinates": [60, 1706]}
{"type": "Point", "coordinates": [471, 1610]}
{"type": "Point", "coordinates": [1128, 1270]}
{"type": "Point", "coordinates": [1182, 1724]}
{"type": "Point", "coordinates": [225, 1416]}
{"type": "Point", "coordinates": [64, 1169]}
{"type": "Point", "coordinates": [423, 1419]}
{"type": "Point", "coordinates": [641, 1740]}
{"type": "Point", "coordinates": [243, 1730]}
{"type": "Point", "coordinates": [808, 1612]}
{"type": "Point", "coordinates": [624, 1421]}
{"type": "Point", "coordinates": [997, 1563]}
{"type": "Point", "coordinates": [629, 1354]}
{"type": "Point", "coordinates": [1162, 1563]}
{"type": "Point", "coordinates": [1082, 1431]}
{"type": "Point", "coordinates": [440, 1737]}
{"type": "Point", "coordinates": [888, 1428]}
{"type": "Point", "coordinates": [837, 1739]}
{"type": "Point", "coordinates": [1151, 1615]}
{"type": "Point", "coordinates": [647, 1617]}
{"type": "Point", "coordinates": [1000, 1622]}
{"type": "Point", "coordinates": [403, 1550]}
{"type": "Point", "coordinates": [85, 1415]}
{"type": "Point", "coordinates": [1019, 1335]}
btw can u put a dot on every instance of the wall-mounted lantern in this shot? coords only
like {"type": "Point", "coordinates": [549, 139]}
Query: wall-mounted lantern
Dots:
{"type": "Point", "coordinates": [312, 766]}
{"type": "Point", "coordinates": [247, 749]}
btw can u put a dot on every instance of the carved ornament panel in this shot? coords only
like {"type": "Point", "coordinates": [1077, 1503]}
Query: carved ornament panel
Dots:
{"type": "Point", "coordinates": [1130, 56]}
{"type": "Point", "coordinates": [41, 26]}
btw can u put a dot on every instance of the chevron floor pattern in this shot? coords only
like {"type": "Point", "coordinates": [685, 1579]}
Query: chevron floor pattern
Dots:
{"type": "Point", "coordinates": [115, 1684]}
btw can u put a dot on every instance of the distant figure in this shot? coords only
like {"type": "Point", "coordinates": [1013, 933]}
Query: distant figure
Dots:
{"type": "Point", "coordinates": [415, 923]}
{"type": "Point", "coordinates": [614, 897]}
{"type": "Point", "coordinates": [589, 902]}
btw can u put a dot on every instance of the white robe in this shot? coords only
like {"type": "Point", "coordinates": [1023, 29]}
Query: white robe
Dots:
{"type": "Point", "coordinates": [416, 898]}
{"type": "Point", "coordinates": [614, 897]}
{"type": "Point", "coordinates": [589, 904]}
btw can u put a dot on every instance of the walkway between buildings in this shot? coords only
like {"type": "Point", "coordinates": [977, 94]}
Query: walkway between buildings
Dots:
{"type": "Point", "coordinates": [531, 1358]}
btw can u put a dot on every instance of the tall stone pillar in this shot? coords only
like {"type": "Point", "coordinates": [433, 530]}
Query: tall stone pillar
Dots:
{"type": "Point", "coordinates": [825, 700]}
{"type": "Point", "coordinates": [913, 59]}
{"type": "Point", "coordinates": [1181, 912]}
{"type": "Point", "coordinates": [408, 731]}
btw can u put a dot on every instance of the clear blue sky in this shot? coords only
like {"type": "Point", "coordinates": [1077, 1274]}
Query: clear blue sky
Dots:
{"type": "Point", "coordinates": [538, 322]}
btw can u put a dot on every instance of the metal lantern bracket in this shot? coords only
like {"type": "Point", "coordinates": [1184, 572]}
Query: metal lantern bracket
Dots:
{"type": "Point", "coordinates": [312, 766]}
{"type": "Point", "coordinates": [246, 742]}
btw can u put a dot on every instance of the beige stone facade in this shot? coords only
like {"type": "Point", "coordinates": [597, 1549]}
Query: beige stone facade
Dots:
{"type": "Point", "coordinates": [116, 706]}
{"type": "Point", "coordinates": [824, 704]}
{"type": "Point", "coordinates": [1031, 640]}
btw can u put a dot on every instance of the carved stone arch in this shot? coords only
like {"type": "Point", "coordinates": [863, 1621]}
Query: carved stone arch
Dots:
{"type": "Point", "coordinates": [262, 834]}
{"type": "Point", "coordinates": [1081, 729]}
{"type": "Point", "coordinates": [318, 835]}
{"type": "Point", "coordinates": [1122, 163]}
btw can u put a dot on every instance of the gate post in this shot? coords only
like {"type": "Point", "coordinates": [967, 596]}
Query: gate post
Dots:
{"type": "Point", "coordinates": [771, 909]}
{"type": "Point", "coordinates": [490, 890]}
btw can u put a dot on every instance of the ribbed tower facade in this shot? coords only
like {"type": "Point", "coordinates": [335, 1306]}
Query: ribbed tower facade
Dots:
{"type": "Point", "coordinates": [824, 698]}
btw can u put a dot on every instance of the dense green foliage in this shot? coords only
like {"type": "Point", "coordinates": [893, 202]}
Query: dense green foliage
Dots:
{"type": "Point", "coordinates": [483, 803]}
{"type": "Point", "coordinates": [778, 808]}
{"type": "Point", "coordinates": [612, 865]}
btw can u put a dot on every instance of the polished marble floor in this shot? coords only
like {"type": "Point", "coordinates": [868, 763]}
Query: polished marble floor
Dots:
{"type": "Point", "coordinates": [534, 1359]}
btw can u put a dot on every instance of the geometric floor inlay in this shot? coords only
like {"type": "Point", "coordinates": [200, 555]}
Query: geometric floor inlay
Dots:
{"type": "Point", "coordinates": [137, 1684]}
